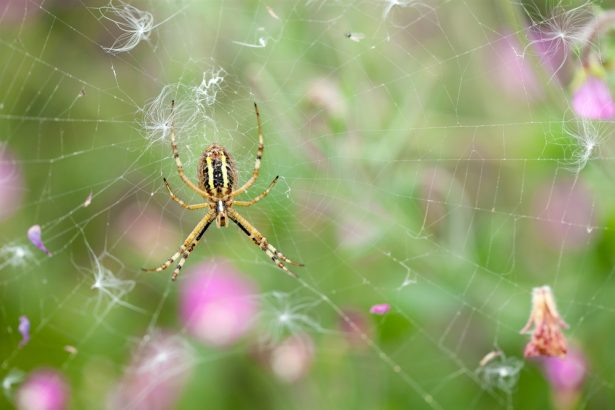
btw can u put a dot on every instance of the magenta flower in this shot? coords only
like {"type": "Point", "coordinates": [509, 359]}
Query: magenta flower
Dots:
{"type": "Point", "coordinates": [566, 376]}
{"type": "Point", "coordinates": [11, 182]}
{"type": "Point", "coordinates": [566, 373]}
{"type": "Point", "coordinates": [24, 330]}
{"type": "Point", "coordinates": [35, 236]}
{"type": "Point", "coordinates": [218, 305]}
{"type": "Point", "coordinates": [156, 376]}
{"type": "Point", "coordinates": [380, 309]}
{"type": "Point", "coordinates": [593, 100]}
{"type": "Point", "coordinates": [44, 389]}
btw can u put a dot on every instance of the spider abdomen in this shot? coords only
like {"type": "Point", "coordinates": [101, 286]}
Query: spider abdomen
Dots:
{"type": "Point", "coordinates": [217, 173]}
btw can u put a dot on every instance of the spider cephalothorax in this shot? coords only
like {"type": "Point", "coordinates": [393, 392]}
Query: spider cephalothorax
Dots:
{"type": "Point", "coordinates": [217, 176]}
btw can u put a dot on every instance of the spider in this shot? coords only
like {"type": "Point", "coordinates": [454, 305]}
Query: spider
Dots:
{"type": "Point", "coordinates": [217, 176]}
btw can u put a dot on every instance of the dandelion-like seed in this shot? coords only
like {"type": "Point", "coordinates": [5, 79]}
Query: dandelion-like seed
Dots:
{"type": "Point", "coordinates": [396, 3]}
{"type": "Point", "coordinates": [108, 287]}
{"type": "Point", "coordinates": [282, 315]}
{"type": "Point", "coordinates": [15, 256]}
{"type": "Point", "coordinates": [158, 114]}
{"type": "Point", "coordinates": [587, 137]}
{"type": "Point", "coordinates": [545, 325]}
{"type": "Point", "coordinates": [555, 36]}
{"type": "Point", "coordinates": [499, 372]}
{"type": "Point", "coordinates": [205, 93]}
{"type": "Point", "coordinates": [136, 26]}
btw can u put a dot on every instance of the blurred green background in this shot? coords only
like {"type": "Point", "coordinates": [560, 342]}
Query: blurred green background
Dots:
{"type": "Point", "coordinates": [429, 159]}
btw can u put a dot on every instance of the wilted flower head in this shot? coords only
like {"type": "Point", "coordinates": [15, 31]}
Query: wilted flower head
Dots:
{"type": "Point", "coordinates": [44, 389]}
{"type": "Point", "coordinates": [593, 100]}
{"type": "Point", "coordinates": [218, 305]}
{"type": "Point", "coordinates": [547, 338]}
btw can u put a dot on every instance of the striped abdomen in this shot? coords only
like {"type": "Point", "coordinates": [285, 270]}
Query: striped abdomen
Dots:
{"type": "Point", "coordinates": [217, 173]}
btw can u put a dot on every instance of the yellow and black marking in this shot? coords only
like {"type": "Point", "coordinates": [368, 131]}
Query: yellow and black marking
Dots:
{"type": "Point", "coordinates": [217, 174]}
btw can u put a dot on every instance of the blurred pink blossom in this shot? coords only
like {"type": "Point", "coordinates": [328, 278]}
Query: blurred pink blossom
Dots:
{"type": "Point", "coordinates": [566, 376]}
{"type": "Point", "coordinates": [11, 182]}
{"type": "Point", "coordinates": [380, 309]}
{"type": "Point", "coordinates": [356, 332]}
{"type": "Point", "coordinates": [512, 71]}
{"type": "Point", "coordinates": [593, 100]}
{"type": "Point", "coordinates": [147, 231]}
{"type": "Point", "coordinates": [566, 373]}
{"type": "Point", "coordinates": [218, 305]}
{"type": "Point", "coordinates": [44, 389]}
{"type": "Point", "coordinates": [156, 376]}
{"type": "Point", "coordinates": [14, 11]}
{"type": "Point", "coordinates": [291, 359]}
{"type": "Point", "coordinates": [565, 211]}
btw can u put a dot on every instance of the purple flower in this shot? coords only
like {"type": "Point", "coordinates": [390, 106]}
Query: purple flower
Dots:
{"type": "Point", "coordinates": [45, 389]}
{"type": "Point", "coordinates": [24, 329]}
{"type": "Point", "coordinates": [380, 309]}
{"type": "Point", "coordinates": [218, 305]}
{"type": "Point", "coordinates": [34, 234]}
{"type": "Point", "coordinates": [593, 100]}
{"type": "Point", "coordinates": [11, 182]}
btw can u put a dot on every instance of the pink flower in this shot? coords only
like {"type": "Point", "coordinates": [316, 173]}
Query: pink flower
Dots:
{"type": "Point", "coordinates": [512, 70]}
{"type": "Point", "coordinates": [566, 376]}
{"type": "Point", "coordinates": [218, 305]}
{"type": "Point", "coordinates": [380, 309]}
{"type": "Point", "coordinates": [11, 183]}
{"type": "Point", "coordinates": [593, 100]}
{"type": "Point", "coordinates": [44, 389]}
{"type": "Point", "coordinates": [547, 338]}
{"type": "Point", "coordinates": [566, 373]}
{"type": "Point", "coordinates": [156, 376]}
{"type": "Point", "coordinates": [565, 211]}
{"type": "Point", "coordinates": [290, 359]}
{"type": "Point", "coordinates": [356, 329]}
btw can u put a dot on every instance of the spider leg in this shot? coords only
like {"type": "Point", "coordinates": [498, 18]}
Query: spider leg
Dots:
{"type": "Point", "coordinates": [259, 156]}
{"type": "Point", "coordinates": [276, 256]}
{"type": "Point", "coordinates": [182, 203]}
{"type": "Point", "coordinates": [187, 247]}
{"type": "Point", "coordinates": [259, 197]}
{"type": "Point", "coordinates": [178, 163]}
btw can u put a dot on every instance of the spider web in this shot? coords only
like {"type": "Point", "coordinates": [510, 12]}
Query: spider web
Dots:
{"type": "Point", "coordinates": [414, 171]}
